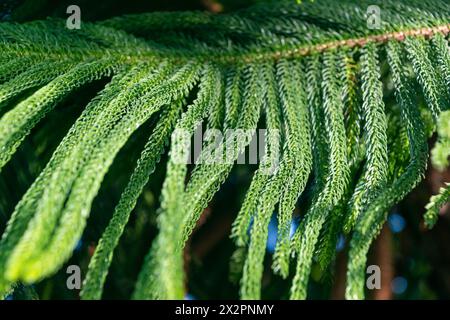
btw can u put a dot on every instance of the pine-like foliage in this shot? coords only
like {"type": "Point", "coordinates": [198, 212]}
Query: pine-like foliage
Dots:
{"type": "Point", "coordinates": [311, 71]}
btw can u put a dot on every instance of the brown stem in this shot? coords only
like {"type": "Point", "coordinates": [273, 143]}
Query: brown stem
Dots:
{"type": "Point", "coordinates": [338, 290]}
{"type": "Point", "coordinates": [213, 6]}
{"type": "Point", "coordinates": [383, 258]}
{"type": "Point", "coordinates": [359, 42]}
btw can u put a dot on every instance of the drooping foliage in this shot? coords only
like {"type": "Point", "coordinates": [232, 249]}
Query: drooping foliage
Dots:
{"type": "Point", "coordinates": [311, 73]}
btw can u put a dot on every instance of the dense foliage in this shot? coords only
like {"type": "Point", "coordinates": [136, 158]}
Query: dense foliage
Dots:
{"type": "Point", "coordinates": [355, 107]}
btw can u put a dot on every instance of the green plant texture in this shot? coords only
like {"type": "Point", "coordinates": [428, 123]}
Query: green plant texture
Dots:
{"type": "Point", "coordinates": [355, 107]}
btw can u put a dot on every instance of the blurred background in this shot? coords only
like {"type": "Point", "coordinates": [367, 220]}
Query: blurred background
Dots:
{"type": "Point", "coordinates": [415, 262]}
